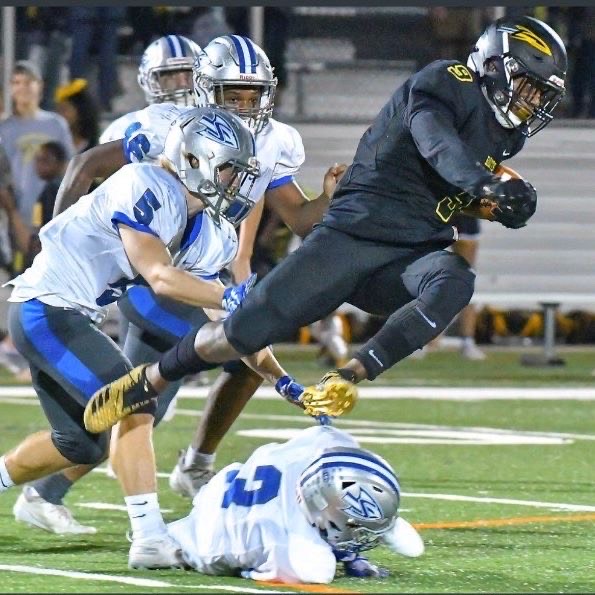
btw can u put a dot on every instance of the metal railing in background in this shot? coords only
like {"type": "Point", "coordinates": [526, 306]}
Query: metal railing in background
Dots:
{"type": "Point", "coordinates": [8, 49]}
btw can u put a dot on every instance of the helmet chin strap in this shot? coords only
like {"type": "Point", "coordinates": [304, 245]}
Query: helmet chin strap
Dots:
{"type": "Point", "coordinates": [506, 122]}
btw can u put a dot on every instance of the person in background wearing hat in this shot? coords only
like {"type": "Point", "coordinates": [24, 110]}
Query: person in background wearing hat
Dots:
{"type": "Point", "coordinates": [76, 104]}
{"type": "Point", "coordinates": [24, 131]}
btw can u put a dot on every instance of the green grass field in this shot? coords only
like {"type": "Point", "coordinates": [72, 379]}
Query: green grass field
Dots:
{"type": "Point", "coordinates": [507, 510]}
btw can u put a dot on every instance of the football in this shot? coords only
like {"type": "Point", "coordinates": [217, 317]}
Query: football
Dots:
{"type": "Point", "coordinates": [506, 173]}
{"type": "Point", "coordinates": [485, 204]}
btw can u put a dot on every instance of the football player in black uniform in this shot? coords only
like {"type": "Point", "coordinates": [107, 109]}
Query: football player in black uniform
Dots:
{"type": "Point", "coordinates": [431, 152]}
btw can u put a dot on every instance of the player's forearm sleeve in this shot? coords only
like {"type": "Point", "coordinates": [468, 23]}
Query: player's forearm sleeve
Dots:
{"type": "Point", "coordinates": [439, 143]}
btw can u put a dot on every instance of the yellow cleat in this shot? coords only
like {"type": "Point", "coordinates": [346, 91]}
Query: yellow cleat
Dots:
{"type": "Point", "coordinates": [118, 399]}
{"type": "Point", "coordinates": [333, 396]}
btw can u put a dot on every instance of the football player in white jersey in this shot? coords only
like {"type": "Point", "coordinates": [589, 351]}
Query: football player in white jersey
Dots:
{"type": "Point", "coordinates": [233, 72]}
{"type": "Point", "coordinates": [165, 76]}
{"type": "Point", "coordinates": [135, 227]}
{"type": "Point", "coordinates": [292, 511]}
{"type": "Point", "coordinates": [157, 323]}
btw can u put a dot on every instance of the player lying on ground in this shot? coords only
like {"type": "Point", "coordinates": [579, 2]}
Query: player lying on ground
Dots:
{"type": "Point", "coordinates": [293, 511]}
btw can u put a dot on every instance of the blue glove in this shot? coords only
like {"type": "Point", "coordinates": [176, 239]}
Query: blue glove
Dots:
{"type": "Point", "coordinates": [291, 390]}
{"type": "Point", "coordinates": [235, 295]}
{"type": "Point", "coordinates": [361, 567]}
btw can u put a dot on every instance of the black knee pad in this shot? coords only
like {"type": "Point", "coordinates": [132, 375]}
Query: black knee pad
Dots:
{"type": "Point", "coordinates": [82, 448]}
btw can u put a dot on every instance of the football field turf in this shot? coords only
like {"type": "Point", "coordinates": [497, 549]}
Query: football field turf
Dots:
{"type": "Point", "coordinates": [495, 461]}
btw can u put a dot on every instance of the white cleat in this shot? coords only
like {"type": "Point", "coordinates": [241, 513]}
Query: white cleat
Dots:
{"type": "Point", "coordinates": [472, 352]}
{"type": "Point", "coordinates": [32, 509]}
{"type": "Point", "coordinates": [404, 539]}
{"type": "Point", "coordinates": [156, 552]}
{"type": "Point", "coordinates": [187, 480]}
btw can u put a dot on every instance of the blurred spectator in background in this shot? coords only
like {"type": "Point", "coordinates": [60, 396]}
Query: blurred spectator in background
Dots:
{"type": "Point", "coordinates": [50, 164]}
{"type": "Point", "coordinates": [581, 50]}
{"type": "Point", "coordinates": [10, 358]}
{"type": "Point", "coordinates": [95, 31]}
{"type": "Point", "coordinates": [276, 29]}
{"type": "Point", "coordinates": [209, 22]}
{"type": "Point", "coordinates": [24, 132]}
{"type": "Point", "coordinates": [456, 29]}
{"type": "Point", "coordinates": [44, 31]}
{"type": "Point", "coordinates": [78, 107]}
{"type": "Point", "coordinates": [6, 196]}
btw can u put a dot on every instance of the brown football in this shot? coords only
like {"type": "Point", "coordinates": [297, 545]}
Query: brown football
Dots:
{"type": "Point", "coordinates": [485, 204]}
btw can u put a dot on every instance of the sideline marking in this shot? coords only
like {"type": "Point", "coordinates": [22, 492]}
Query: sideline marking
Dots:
{"type": "Point", "coordinates": [572, 518]}
{"type": "Point", "coordinates": [488, 500]}
{"type": "Point", "coordinates": [127, 580]}
{"type": "Point", "coordinates": [104, 471]}
{"type": "Point", "coordinates": [425, 435]}
{"type": "Point", "coordinates": [108, 506]}
{"type": "Point", "coordinates": [458, 393]}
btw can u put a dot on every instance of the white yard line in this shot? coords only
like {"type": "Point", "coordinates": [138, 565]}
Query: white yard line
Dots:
{"type": "Point", "coordinates": [108, 506]}
{"type": "Point", "coordinates": [104, 471]}
{"type": "Point", "coordinates": [463, 393]}
{"type": "Point", "coordinates": [126, 580]}
{"type": "Point", "coordinates": [488, 500]}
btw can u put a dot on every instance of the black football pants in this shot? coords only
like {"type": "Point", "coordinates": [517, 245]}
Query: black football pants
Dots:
{"type": "Point", "coordinates": [420, 289]}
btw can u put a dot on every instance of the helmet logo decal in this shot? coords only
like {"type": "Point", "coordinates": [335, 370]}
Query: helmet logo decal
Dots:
{"type": "Point", "coordinates": [461, 73]}
{"type": "Point", "coordinates": [361, 504]}
{"type": "Point", "coordinates": [524, 34]}
{"type": "Point", "coordinates": [217, 129]}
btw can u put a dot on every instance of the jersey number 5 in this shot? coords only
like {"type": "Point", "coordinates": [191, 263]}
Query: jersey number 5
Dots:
{"type": "Point", "coordinates": [145, 207]}
{"type": "Point", "coordinates": [236, 493]}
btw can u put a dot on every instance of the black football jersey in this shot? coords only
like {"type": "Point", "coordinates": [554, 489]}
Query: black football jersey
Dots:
{"type": "Point", "coordinates": [433, 142]}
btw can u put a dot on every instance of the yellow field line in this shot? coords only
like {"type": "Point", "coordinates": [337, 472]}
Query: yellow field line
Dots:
{"type": "Point", "coordinates": [522, 520]}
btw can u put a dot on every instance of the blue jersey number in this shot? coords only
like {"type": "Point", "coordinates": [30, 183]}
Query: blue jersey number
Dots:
{"type": "Point", "coordinates": [236, 493]}
{"type": "Point", "coordinates": [138, 145]}
{"type": "Point", "coordinates": [145, 207]}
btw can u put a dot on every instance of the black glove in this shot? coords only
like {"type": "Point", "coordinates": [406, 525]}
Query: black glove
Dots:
{"type": "Point", "coordinates": [516, 201]}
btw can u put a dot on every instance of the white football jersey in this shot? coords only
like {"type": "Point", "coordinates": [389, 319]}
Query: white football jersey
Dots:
{"type": "Point", "coordinates": [83, 264]}
{"type": "Point", "coordinates": [279, 147]}
{"type": "Point", "coordinates": [247, 518]}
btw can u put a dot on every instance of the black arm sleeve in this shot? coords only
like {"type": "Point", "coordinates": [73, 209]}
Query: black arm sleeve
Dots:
{"type": "Point", "coordinates": [438, 104]}
{"type": "Point", "coordinates": [438, 142]}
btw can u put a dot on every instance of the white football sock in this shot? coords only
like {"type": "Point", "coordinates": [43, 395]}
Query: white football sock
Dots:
{"type": "Point", "coordinates": [5, 479]}
{"type": "Point", "coordinates": [145, 515]}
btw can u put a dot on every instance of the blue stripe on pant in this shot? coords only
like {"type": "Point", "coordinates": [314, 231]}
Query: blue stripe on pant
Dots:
{"type": "Point", "coordinates": [70, 358]}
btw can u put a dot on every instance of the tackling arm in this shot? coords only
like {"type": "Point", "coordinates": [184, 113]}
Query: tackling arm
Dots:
{"type": "Point", "coordinates": [149, 256]}
{"type": "Point", "coordinates": [295, 209]}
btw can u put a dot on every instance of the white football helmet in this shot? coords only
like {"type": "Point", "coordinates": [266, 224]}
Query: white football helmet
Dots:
{"type": "Point", "coordinates": [165, 70]}
{"type": "Point", "coordinates": [213, 153]}
{"type": "Point", "coordinates": [235, 61]}
{"type": "Point", "coordinates": [351, 495]}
